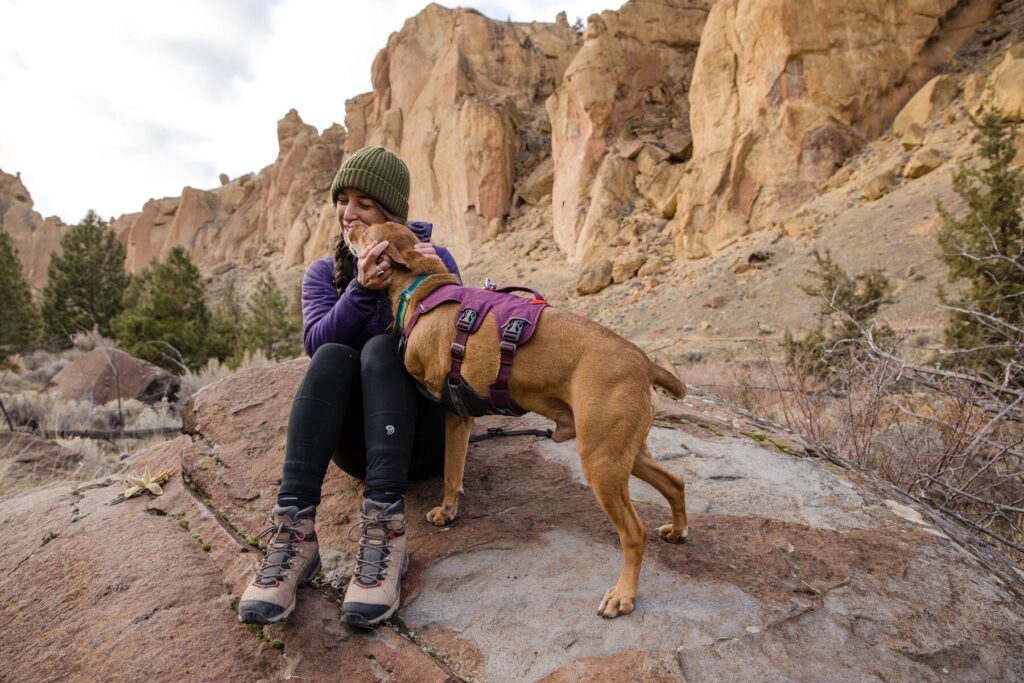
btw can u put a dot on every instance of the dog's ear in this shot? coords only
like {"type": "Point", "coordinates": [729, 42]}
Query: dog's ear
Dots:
{"type": "Point", "coordinates": [396, 256]}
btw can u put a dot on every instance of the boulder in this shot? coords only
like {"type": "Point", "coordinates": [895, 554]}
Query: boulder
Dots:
{"type": "Point", "coordinates": [678, 143]}
{"type": "Point", "coordinates": [28, 461]}
{"type": "Point", "coordinates": [103, 375]}
{"type": "Point", "coordinates": [650, 268]}
{"type": "Point", "coordinates": [795, 569]}
{"type": "Point", "coordinates": [923, 162]}
{"type": "Point", "coordinates": [1004, 88]}
{"type": "Point", "coordinates": [594, 277]}
{"type": "Point", "coordinates": [660, 187]}
{"type": "Point", "coordinates": [650, 156]}
{"type": "Point", "coordinates": [974, 86]}
{"type": "Point", "coordinates": [878, 185]}
{"type": "Point", "coordinates": [913, 136]}
{"type": "Point", "coordinates": [926, 102]}
{"type": "Point", "coordinates": [538, 184]}
{"type": "Point", "coordinates": [626, 266]}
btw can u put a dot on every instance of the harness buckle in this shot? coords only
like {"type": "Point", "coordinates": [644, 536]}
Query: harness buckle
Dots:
{"type": "Point", "coordinates": [458, 351]}
{"type": "Point", "coordinates": [514, 329]}
{"type": "Point", "coordinates": [466, 319]}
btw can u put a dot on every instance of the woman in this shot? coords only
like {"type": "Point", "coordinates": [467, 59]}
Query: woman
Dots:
{"type": "Point", "coordinates": [357, 405]}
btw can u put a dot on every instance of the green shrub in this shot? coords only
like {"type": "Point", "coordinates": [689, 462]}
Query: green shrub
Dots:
{"type": "Point", "coordinates": [984, 249]}
{"type": "Point", "coordinates": [84, 283]}
{"type": "Point", "coordinates": [166, 320]}
{"type": "Point", "coordinates": [19, 324]}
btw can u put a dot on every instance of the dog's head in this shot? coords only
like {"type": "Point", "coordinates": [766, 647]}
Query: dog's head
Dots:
{"type": "Point", "coordinates": [400, 250]}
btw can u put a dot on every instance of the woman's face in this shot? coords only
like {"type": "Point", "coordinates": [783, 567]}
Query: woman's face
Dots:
{"type": "Point", "coordinates": [355, 207]}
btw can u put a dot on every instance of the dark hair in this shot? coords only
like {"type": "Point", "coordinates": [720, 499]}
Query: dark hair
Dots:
{"type": "Point", "coordinates": [344, 262]}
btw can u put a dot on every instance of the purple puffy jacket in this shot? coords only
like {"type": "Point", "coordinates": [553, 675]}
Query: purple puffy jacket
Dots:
{"type": "Point", "coordinates": [359, 313]}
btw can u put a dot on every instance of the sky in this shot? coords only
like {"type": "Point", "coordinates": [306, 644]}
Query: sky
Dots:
{"type": "Point", "coordinates": [108, 103]}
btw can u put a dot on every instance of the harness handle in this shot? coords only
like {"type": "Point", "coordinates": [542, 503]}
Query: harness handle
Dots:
{"type": "Point", "coordinates": [517, 288]}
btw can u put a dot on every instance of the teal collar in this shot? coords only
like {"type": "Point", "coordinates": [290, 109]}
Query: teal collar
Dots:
{"type": "Point", "coordinates": [404, 301]}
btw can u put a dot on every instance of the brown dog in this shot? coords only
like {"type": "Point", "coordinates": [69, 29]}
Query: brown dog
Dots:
{"type": "Point", "coordinates": [595, 385]}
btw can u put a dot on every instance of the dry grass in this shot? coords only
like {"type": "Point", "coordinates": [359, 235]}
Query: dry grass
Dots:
{"type": "Point", "coordinates": [29, 408]}
{"type": "Point", "coordinates": [214, 371]}
{"type": "Point", "coordinates": [947, 440]}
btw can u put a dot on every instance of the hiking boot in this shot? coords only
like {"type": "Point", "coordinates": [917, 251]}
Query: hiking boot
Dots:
{"type": "Point", "coordinates": [373, 593]}
{"type": "Point", "coordinates": [292, 559]}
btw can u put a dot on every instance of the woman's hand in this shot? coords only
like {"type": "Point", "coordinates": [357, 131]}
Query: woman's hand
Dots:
{"type": "Point", "coordinates": [426, 249]}
{"type": "Point", "coordinates": [373, 271]}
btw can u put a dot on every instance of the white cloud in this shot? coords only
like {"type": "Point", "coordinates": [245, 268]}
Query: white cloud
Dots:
{"type": "Point", "coordinates": [108, 103]}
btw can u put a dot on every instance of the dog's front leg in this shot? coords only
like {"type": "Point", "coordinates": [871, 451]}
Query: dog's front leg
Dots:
{"type": "Point", "coordinates": [456, 442]}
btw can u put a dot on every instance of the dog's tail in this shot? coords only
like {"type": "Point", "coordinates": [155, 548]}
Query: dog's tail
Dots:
{"type": "Point", "coordinates": [666, 380]}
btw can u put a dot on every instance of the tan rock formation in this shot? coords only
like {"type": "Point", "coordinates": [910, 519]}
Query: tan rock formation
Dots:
{"type": "Point", "coordinates": [922, 163]}
{"type": "Point", "coordinates": [628, 81]}
{"type": "Point", "coordinates": [913, 136]}
{"type": "Point", "coordinates": [783, 92]}
{"type": "Point", "coordinates": [34, 237]}
{"type": "Point", "coordinates": [280, 216]}
{"type": "Point", "coordinates": [626, 265]}
{"type": "Point", "coordinates": [594, 277]}
{"type": "Point", "coordinates": [878, 185]}
{"type": "Point", "coordinates": [1004, 89]}
{"type": "Point", "coordinates": [454, 94]}
{"type": "Point", "coordinates": [925, 104]}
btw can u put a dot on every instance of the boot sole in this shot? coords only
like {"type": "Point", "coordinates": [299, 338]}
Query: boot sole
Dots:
{"type": "Point", "coordinates": [359, 621]}
{"type": "Point", "coordinates": [257, 618]}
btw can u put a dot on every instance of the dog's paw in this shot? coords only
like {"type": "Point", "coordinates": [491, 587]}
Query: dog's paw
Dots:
{"type": "Point", "coordinates": [441, 516]}
{"type": "Point", "coordinates": [669, 534]}
{"type": "Point", "coordinates": [615, 602]}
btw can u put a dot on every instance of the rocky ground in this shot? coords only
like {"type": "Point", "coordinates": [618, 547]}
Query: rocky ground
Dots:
{"type": "Point", "coordinates": [796, 568]}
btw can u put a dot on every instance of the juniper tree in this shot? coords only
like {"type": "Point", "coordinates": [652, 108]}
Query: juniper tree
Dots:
{"type": "Point", "coordinates": [269, 323]}
{"type": "Point", "coordinates": [85, 283]}
{"type": "Point", "coordinates": [984, 249]}
{"type": "Point", "coordinates": [19, 324]}
{"type": "Point", "coordinates": [165, 318]}
{"type": "Point", "coordinates": [848, 308]}
{"type": "Point", "coordinates": [225, 339]}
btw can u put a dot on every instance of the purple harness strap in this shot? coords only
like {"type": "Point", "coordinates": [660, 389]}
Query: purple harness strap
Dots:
{"type": "Point", "coordinates": [516, 318]}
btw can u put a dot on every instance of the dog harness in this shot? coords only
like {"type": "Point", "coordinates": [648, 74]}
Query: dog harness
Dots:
{"type": "Point", "coordinates": [517, 318]}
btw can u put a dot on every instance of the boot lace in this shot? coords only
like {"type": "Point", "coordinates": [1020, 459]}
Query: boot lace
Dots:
{"type": "Point", "coordinates": [279, 552]}
{"type": "Point", "coordinates": [375, 543]}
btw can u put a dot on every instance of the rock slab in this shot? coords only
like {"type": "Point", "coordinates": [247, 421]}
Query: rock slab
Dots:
{"type": "Point", "coordinates": [796, 569]}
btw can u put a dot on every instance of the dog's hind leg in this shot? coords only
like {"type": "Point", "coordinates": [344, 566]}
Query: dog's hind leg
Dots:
{"type": "Point", "coordinates": [670, 486]}
{"type": "Point", "coordinates": [456, 443]}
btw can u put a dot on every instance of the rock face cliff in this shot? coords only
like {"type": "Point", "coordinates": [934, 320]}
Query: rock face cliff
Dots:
{"type": "Point", "coordinates": [784, 91]}
{"type": "Point", "coordinates": [796, 569]}
{"type": "Point", "coordinates": [34, 237]}
{"type": "Point", "coordinates": [671, 127]}
{"type": "Point", "coordinates": [277, 217]}
{"type": "Point", "coordinates": [620, 120]}
{"type": "Point", "coordinates": [461, 98]}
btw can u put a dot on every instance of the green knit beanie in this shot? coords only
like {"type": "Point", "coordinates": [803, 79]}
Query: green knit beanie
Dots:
{"type": "Point", "coordinates": [378, 173]}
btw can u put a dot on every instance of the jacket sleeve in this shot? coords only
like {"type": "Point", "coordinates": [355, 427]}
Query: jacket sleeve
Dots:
{"type": "Point", "coordinates": [449, 261]}
{"type": "Point", "coordinates": [327, 318]}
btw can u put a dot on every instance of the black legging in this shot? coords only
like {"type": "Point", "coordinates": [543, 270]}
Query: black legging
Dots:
{"type": "Point", "coordinates": [363, 410]}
